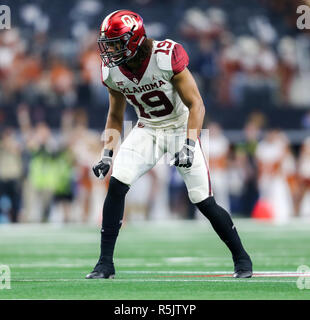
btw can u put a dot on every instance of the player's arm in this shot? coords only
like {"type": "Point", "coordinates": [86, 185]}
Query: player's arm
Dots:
{"type": "Point", "coordinates": [114, 124]}
{"type": "Point", "coordinates": [187, 89]}
{"type": "Point", "coordinates": [112, 131]}
{"type": "Point", "coordinates": [189, 93]}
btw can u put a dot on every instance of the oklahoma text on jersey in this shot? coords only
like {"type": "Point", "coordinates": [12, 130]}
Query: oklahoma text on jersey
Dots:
{"type": "Point", "coordinates": [145, 88]}
{"type": "Point", "coordinates": [150, 90]}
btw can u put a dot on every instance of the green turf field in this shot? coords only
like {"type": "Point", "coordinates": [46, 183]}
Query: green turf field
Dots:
{"type": "Point", "coordinates": [154, 260]}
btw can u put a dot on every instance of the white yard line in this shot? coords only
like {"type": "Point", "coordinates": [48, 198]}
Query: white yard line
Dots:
{"type": "Point", "coordinates": [267, 274]}
{"type": "Point", "coordinates": [158, 280]}
{"type": "Point", "coordinates": [190, 276]}
{"type": "Point", "coordinates": [271, 274]}
{"type": "Point", "coordinates": [211, 272]}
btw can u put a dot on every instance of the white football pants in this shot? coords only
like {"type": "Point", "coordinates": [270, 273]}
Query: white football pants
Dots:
{"type": "Point", "coordinates": [145, 146]}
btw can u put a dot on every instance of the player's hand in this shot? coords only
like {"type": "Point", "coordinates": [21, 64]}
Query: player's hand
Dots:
{"type": "Point", "coordinates": [103, 166]}
{"type": "Point", "coordinates": [185, 157]}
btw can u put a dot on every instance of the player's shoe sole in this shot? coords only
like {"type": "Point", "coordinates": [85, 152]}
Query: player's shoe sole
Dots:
{"type": "Point", "coordinates": [100, 275]}
{"type": "Point", "coordinates": [243, 267]}
{"type": "Point", "coordinates": [103, 270]}
{"type": "Point", "coordinates": [243, 274]}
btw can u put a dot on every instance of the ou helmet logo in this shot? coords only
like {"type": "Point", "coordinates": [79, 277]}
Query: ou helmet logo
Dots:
{"type": "Point", "coordinates": [130, 21]}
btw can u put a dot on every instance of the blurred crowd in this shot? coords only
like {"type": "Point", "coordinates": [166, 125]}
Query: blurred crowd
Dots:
{"type": "Point", "coordinates": [244, 55]}
{"type": "Point", "coordinates": [46, 175]}
{"type": "Point", "coordinates": [259, 66]}
{"type": "Point", "coordinates": [47, 80]}
{"type": "Point", "coordinates": [40, 168]}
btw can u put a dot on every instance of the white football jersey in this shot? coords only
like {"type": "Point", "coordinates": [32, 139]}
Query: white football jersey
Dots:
{"type": "Point", "coordinates": [150, 90]}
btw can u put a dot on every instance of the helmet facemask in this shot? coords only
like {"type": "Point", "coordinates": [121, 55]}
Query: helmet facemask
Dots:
{"type": "Point", "coordinates": [114, 51]}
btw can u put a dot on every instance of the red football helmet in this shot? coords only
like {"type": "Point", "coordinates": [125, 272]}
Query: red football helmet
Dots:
{"type": "Point", "coordinates": [121, 34]}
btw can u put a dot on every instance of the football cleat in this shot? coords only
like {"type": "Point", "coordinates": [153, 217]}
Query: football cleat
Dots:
{"type": "Point", "coordinates": [243, 274]}
{"type": "Point", "coordinates": [243, 268]}
{"type": "Point", "coordinates": [102, 271]}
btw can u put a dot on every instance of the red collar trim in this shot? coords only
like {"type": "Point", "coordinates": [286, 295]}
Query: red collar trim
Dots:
{"type": "Point", "coordinates": [137, 76]}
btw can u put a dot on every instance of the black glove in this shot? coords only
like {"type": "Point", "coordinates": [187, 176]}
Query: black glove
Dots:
{"type": "Point", "coordinates": [102, 168]}
{"type": "Point", "coordinates": [185, 157]}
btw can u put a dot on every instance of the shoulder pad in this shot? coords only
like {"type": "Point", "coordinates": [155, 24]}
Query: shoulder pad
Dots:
{"type": "Point", "coordinates": [164, 58]}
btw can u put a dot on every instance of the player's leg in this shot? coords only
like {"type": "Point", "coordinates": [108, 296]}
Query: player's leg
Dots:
{"type": "Point", "coordinates": [134, 158]}
{"type": "Point", "coordinates": [197, 180]}
{"type": "Point", "coordinates": [226, 230]}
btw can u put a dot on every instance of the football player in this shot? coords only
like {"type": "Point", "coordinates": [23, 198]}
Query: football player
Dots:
{"type": "Point", "coordinates": [153, 77]}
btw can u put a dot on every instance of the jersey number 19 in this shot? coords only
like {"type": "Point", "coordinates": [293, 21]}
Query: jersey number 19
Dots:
{"type": "Point", "coordinates": [162, 99]}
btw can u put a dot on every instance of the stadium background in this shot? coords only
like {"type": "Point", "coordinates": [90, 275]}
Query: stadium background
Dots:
{"type": "Point", "coordinates": [252, 67]}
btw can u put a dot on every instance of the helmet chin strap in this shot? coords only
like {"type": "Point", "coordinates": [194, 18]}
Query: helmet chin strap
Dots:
{"type": "Point", "coordinates": [138, 46]}
{"type": "Point", "coordinates": [141, 41]}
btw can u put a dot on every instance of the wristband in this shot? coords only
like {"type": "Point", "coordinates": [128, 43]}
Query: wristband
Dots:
{"type": "Point", "coordinates": [190, 142]}
{"type": "Point", "coordinates": [107, 153]}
